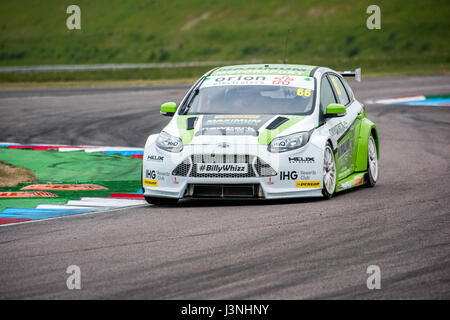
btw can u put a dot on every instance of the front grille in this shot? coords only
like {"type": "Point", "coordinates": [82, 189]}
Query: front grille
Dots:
{"type": "Point", "coordinates": [255, 166]}
{"type": "Point", "coordinates": [264, 169]}
{"type": "Point", "coordinates": [182, 170]}
{"type": "Point", "coordinates": [223, 190]}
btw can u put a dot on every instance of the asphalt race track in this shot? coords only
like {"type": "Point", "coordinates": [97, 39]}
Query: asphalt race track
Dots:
{"type": "Point", "coordinates": [238, 250]}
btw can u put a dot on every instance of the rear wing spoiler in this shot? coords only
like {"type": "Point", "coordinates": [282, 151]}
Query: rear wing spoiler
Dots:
{"type": "Point", "coordinates": [356, 74]}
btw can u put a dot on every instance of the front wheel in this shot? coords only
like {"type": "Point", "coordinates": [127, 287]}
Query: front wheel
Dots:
{"type": "Point", "coordinates": [329, 172]}
{"type": "Point", "coordinates": [372, 162]}
{"type": "Point", "coordinates": [161, 201]}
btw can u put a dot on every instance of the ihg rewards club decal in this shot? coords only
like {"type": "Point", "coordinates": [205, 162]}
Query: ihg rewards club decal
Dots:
{"type": "Point", "coordinates": [302, 178]}
{"type": "Point", "coordinates": [153, 176]}
{"type": "Point", "coordinates": [303, 175]}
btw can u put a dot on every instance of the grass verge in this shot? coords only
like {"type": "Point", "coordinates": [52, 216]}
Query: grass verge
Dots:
{"type": "Point", "coordinates": [413, 38]}
{"type": "Point", "coordinates": [188, 75]}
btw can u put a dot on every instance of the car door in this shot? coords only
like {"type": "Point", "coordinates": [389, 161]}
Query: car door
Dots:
{"type": "Point", "coordinates": [342, 130]}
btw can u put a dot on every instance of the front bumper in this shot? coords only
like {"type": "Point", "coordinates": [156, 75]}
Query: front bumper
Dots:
{"type": "Point", "coordinates": [268, 175]}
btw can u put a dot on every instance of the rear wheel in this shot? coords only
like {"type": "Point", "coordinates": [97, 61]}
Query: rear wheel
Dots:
{"type": "Point", "coordinates": [372, 162]}
{"type": "Point", "coordinates": [161, 201]}
{"type": "Point", "coordinates": [329, 172]}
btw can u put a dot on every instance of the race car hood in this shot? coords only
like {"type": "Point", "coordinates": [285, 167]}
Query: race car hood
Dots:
{"type": "Point", "coordinates": [236, 129]}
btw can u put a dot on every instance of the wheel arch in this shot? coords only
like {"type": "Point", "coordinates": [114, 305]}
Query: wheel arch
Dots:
{"type": "Point", "coordinates": [374, 132]}
{"type": "Point", "coordinates": [321, 141]}
{"type": "Point", "coordinates": [367, 128]}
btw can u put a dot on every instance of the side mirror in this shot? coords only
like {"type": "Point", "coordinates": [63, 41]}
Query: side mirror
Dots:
{"type": "Point", "coordinates": [168, 109]}
{"type": "Point", "coordinates": [335, 110]}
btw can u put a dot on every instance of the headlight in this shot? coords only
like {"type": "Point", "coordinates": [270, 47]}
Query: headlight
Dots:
{"type": "Point", "coordinates": [290, 142]}
{"type": "Point", "coordinates": [169, 143]}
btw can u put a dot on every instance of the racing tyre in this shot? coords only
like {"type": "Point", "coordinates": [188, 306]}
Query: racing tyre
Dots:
{"type": "Point", "coordinates": [161, 201]}
{"type": "Point", "coordinates": [329, 172]}
{"type": "Point", "coordinates": [372, 162]}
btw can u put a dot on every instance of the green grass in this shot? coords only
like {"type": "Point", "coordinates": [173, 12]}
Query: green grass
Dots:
{"type": "Point", "coordinates": [74, 167]}
{"type": "Point", "coordinates": [98, 75]}
{"type": "Point", "coordinates": [115, 172]}
{"type": "Point", "coordinates": [413, 38]}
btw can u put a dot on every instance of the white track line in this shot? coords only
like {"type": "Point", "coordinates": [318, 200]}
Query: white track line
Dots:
{"type": "Point", "coordinates": [69, 216]}
{"type": "Point", "coordinates": [115, 201]}
{"type": "Point", "coordinates": [66, 207]}
{"type": "Point", "coordinates": [396, 100]}
{"type": "Point", "coordinates": [105, 204]}
{"type": "Point", "coordinates": [103, 149]}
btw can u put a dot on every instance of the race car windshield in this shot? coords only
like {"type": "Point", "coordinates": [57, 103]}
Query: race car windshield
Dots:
{"type": "Point", "coordinates": [252, 99]}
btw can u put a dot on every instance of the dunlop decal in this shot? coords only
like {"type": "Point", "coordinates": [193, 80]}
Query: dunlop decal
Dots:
{"type": "Point", "coordinates": [307, 184]}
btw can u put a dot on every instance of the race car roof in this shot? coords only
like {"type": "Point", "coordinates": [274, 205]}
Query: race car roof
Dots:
{"type": "Point", "coordinates": [265, 69]}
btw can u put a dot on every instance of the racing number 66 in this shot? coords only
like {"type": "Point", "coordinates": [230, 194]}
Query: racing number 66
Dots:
{"type": "Point", "coordinates": [303, 92]}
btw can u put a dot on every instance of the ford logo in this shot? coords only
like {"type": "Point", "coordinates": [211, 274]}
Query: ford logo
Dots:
{"type": "Point", "coordinates": [224, 145]}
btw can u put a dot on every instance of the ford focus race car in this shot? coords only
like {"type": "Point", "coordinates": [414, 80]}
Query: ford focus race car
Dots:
{"type": "Point", "coordinates": [262, 131]}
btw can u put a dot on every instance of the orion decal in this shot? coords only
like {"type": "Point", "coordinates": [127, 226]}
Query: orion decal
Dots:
{"type": "Point", "coordinates": [252, 80]}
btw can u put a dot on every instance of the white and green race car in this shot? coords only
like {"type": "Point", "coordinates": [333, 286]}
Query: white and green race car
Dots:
{"type": "Point", "coordinates": [262, 131]}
